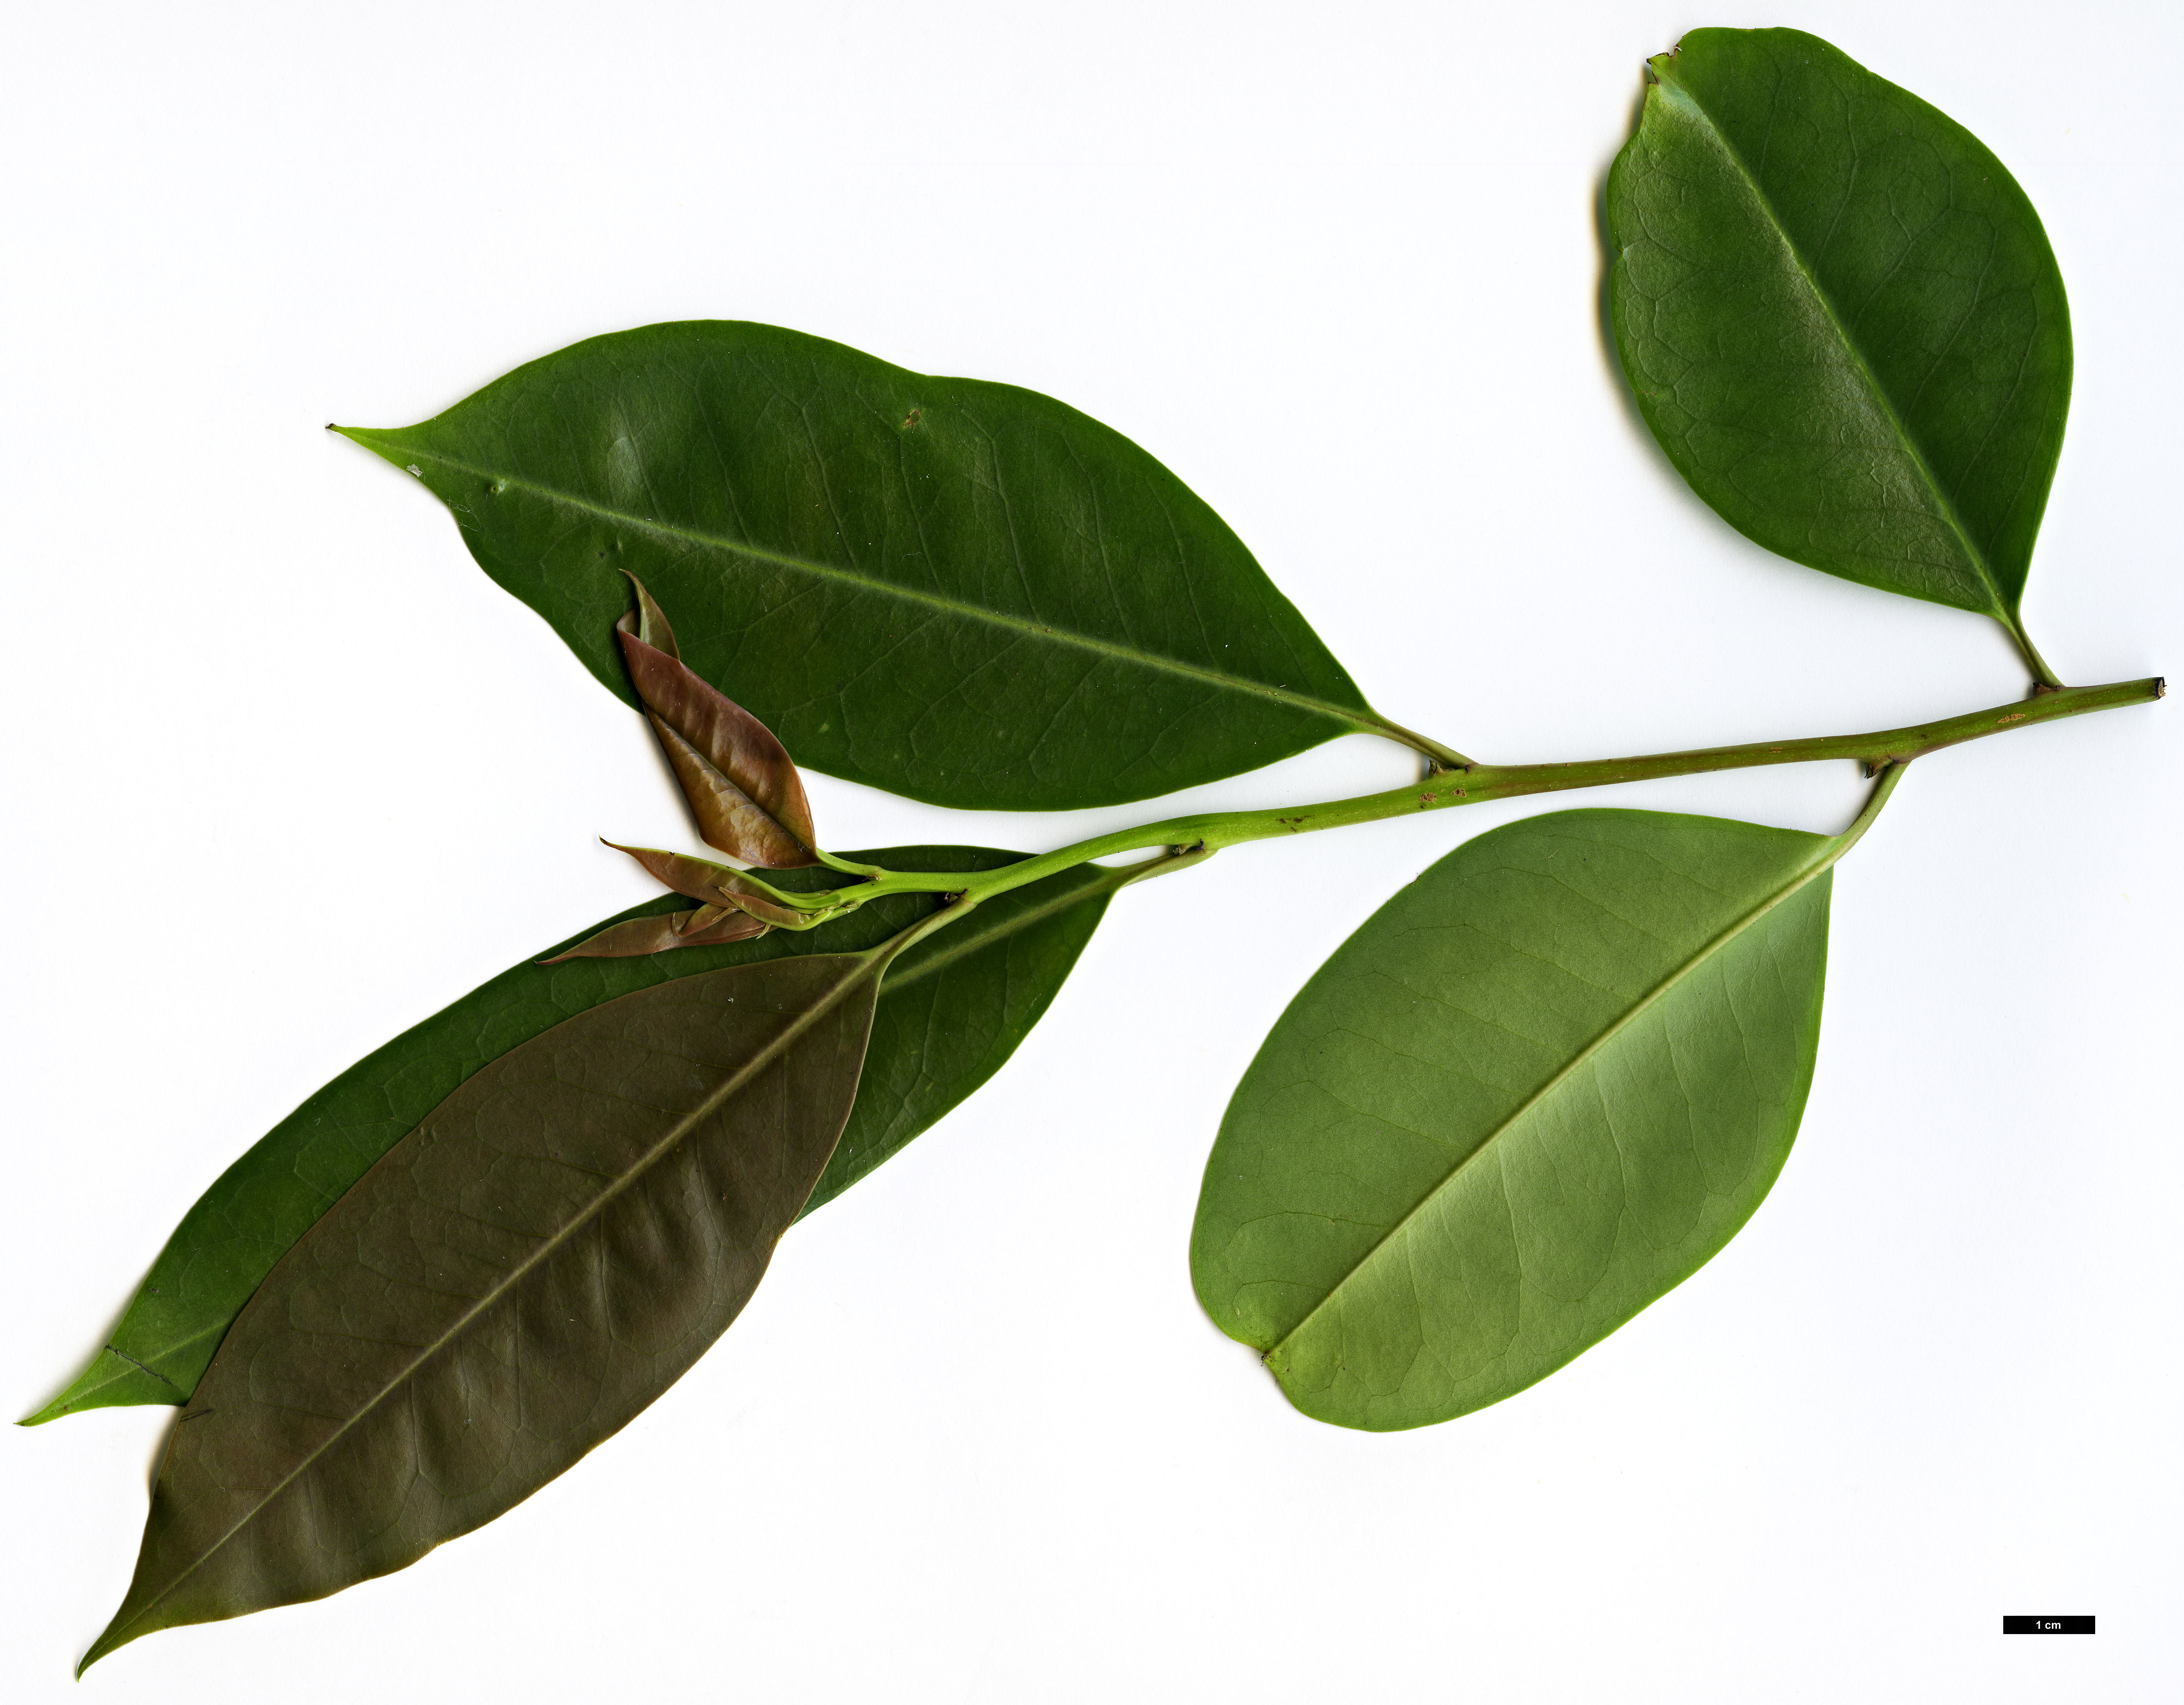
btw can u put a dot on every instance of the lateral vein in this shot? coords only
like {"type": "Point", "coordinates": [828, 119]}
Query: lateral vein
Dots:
{"type": "Point", "coordinates": [1830, 852]}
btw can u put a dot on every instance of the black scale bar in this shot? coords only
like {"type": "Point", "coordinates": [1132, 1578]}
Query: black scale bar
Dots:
{"type": "Point", "coordinates": [2046, 1624]}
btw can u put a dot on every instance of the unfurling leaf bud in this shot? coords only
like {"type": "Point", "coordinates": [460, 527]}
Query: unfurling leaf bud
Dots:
{"type": "Point", "coordinates": [715, 884]}
{"type": "Point", "coordinates": [742, 786]}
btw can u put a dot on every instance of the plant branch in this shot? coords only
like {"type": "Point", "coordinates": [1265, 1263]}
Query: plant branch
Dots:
{"type": "Point", "coordinates": [1197, 836]}
{"type": "Point", "coordinates": [1888, 746]}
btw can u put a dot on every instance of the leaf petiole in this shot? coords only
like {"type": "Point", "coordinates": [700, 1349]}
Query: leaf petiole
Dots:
{"type": "Point", "coordinates": [2044, 678]}
{"type": "Point", "coordinates": [1889, 774]}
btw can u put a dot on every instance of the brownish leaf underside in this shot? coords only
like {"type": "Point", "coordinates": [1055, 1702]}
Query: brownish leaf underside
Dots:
{"type": "Point", "coordinates": [519, 1277]}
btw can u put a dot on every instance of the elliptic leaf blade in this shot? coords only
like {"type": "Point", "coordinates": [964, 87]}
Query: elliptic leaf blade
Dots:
{"type": "Point", "coordinates": [505, 1288]}
{"type": "Point", "coordinates": [1536, 1091]}
{"type": "Point", "coordinates": [959, 591]}
{"type": "Point", "coordinates": [1840, 317]}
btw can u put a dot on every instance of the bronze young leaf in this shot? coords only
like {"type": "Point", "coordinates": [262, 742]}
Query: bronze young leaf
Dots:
{"type": "Point", "coordinates": [512, 1283]}
{"type": "Point", "coordinates": [715, 884]}
{"type": "Point", "coordinates": [652, 626]}
{"type": "Point", "coordinates": [745, 792]}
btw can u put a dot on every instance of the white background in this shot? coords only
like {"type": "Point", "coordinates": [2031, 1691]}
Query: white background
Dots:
{"type": "Point", "coordinates": [288, 773]}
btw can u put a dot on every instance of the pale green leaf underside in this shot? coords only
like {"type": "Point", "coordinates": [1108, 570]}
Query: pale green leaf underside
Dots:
{"type": "Point", "coordinates": [1535, 1092]}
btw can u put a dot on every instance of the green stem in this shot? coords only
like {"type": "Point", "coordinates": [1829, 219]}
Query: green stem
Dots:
{"type": "Point", "coordinates": [848, 867]}
{"type": "Point", "coordinates": [819, 905]}
{"type": "Point", "coordinates": [1194, 837]}
{"type": "Point", "coordinates": [956, 908]}
{"type": "Point", "coordinates": [1111, 881]}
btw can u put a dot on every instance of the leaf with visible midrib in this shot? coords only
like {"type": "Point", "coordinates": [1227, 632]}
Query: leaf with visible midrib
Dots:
{"type": "Point", "coordinates": [1840, 317]}
{"type": "Point", "coordinates": [950, 1013]}
{"type": "Point", "coordinates": [510, 1284]}
{"type": "Point", "coordinates": [1536, 1091]}
{"type": "Point", "coordinates": [963, 592]}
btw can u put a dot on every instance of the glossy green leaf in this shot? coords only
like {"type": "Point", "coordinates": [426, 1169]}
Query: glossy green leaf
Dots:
{"type": "Point", "coordinates": [508, 1286]}
{"type": "Point", "coordinates": [950, 1013]}
{"type": "Point", "coordinates": [959, 591]}
{"type": "Point", "coordinates": [1840, 317]}
{"type": "Point", "coordinates": [1538, 1088]}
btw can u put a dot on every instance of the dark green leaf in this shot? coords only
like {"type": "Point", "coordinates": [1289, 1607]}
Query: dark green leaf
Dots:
{"type": "Point", "coordinates": [950, 1013]}
{"type": "Point", "coordinates": [1538, 1088]}
{"type": "Point", "coordinates": [505, 1288]}
{"type": "Point", "coordinates": [1841, 316]}
{"type": "Point", "coordinates": [959, 591]}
